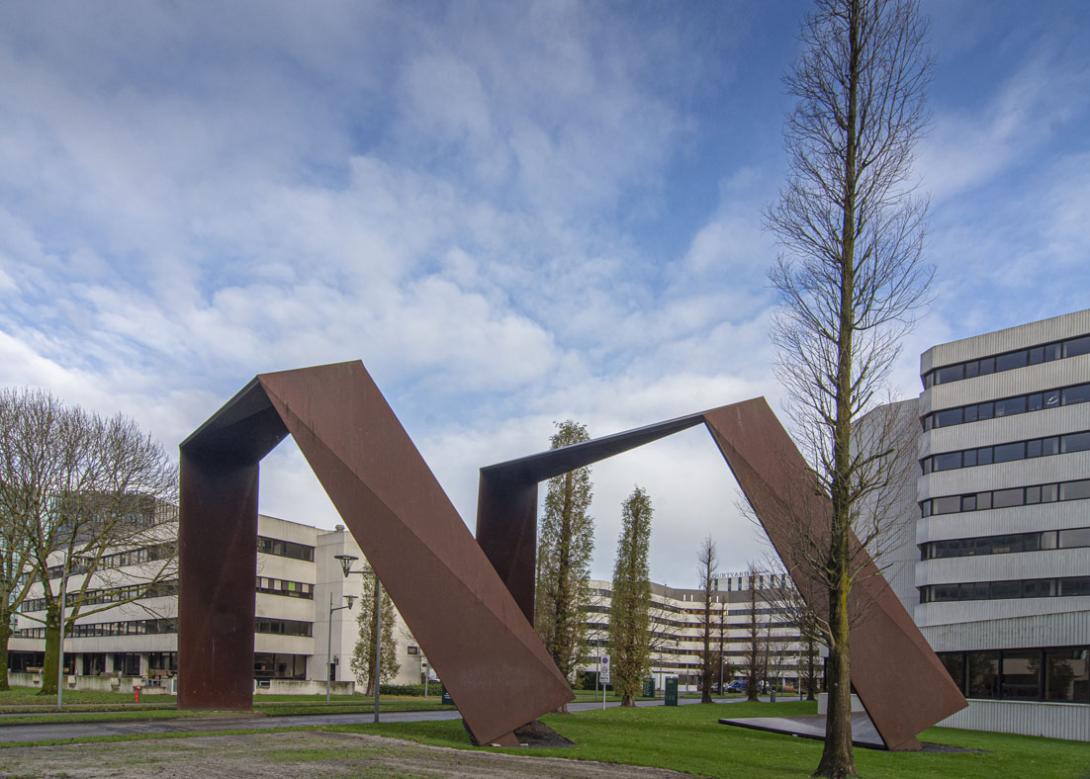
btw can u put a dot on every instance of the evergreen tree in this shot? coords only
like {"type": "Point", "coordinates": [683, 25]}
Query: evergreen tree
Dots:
{"type": "Point", "coordinates": [630, 611]}
{"type": "Point", "coordinates": [563, 562]}
{"type": "Point", "coordinates": [363, 656]}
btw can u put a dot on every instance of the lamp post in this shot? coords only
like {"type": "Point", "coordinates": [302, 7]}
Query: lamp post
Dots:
{"type": "Point", "coordinates": [346, 561]}
{"type": "Point", "coordinates": [329, 643]}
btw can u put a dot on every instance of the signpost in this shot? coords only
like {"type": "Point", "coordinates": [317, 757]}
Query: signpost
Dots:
{"type": "Point", "coordinates": [603, 675]}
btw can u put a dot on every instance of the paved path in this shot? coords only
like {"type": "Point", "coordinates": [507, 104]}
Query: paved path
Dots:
{"type": "Point", "coordinates": [63, 730]}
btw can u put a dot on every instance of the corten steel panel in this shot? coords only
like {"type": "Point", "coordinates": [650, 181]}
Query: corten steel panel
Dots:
{"type": "Point", "coordinates": [462, 614]}
{"type": "Point", "coordinates": [897, 676]}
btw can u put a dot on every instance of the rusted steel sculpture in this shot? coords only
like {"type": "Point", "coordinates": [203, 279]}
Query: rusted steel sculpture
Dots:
{"type": "Point", "coordinates": [898, 678]}
{"type": "Point", "coordinates": [470, 603]}
{"type": "Point", "coordinates": [468, 624]}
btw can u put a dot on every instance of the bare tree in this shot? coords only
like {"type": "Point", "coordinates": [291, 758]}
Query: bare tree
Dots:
{"type": "Point", "coordinates": [81, 488]}
{"type": "Point", "coordinates": [785, 599]}
{"type": "Point", "coordinates": [707, 561]}
{"type": "Point", "coordinates": [751, 664]}
{"type": "Point", "coordinates": [852, 271]}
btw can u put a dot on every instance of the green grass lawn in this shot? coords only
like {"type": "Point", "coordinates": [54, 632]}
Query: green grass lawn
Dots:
{"type": "Point", "coordinates": [690, 739]}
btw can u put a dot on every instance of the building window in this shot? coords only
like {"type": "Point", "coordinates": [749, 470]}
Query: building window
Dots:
{"type": "Point", "coordinates": [1006, 498]}
{"type": "Point", "coordinates": [1021, 678]}
{"type": "Point", "coordinates": [983, 675]}
{"type": "Point", "coordinates": [1019, 404]}
{"type": "Point", "coordinates": [276, 546]}
{"type": "Point", "coordinates": [1067, 675]}
{"type": "Point", "coordinates": [1006, 589]}
{"type": "Point", "coordinates": [283, 627]}
{"type": "Point", "coordinates": [1008, 361]}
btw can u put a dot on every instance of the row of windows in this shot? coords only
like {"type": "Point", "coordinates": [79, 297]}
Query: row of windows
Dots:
{"type": "Point", "coordinates": [110, 595]}
{"type": "Point", "coordinates": [1005, 453]}
{"type": "Point", "coordinates": [290, 589]}
{"type": "Point", "coordinates": [276, 546]}
{"type": "Point", "coordinates": [1005, 407]}
{"type": "Point", "coordinates": [1007, 544]}
{"type": "Point", "coordinates": [283, 627]}
{"type": "Point", "coordinates": [1008, 361]}
{"type": "Point", "coordinates": [1006, 498]}
{"type": "Point", "coordinates": [1060, 674]}
{"type": "Point", "coordinates": [1011, 588]}
{"type": "Point", "coordinates": [145, 554]}
{"type": "Point", "coordinates": [134, 627]}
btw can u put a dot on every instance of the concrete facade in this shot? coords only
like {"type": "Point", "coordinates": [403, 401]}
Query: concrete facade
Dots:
{"type": "Point", "coordinates": [996, 585]}
{"type": "Point", "coordinates": [298, 576]}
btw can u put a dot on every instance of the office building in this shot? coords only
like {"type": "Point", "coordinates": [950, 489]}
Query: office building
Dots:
{"type": "Point", "coordinates": [136, 640]}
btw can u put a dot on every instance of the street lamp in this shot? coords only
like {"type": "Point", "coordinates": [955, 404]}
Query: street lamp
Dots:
{"type": "Point", "coordinates": [329, 642]}
{"type": "Point", "coordinates": [346, 561]}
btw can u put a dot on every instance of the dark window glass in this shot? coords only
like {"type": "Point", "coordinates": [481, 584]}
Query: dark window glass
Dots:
{"type": "Point", "coordinates": [985, 410]}
{"type": "Point", "coordinates": [925, 508]}
{"type": "Point", "coordinates": [1048, 493]}
{"type": "Point", "coordinates": [1070, 539]}
{"type": "Point", "coordinates": [1007, 362]}
{"type": "Point", "coordinates": [1067, 675]}
{"type": "Point", "coordinates": [947, 505]}
{"type": "Point", "coordinates": [1075, 490]}
{"type": "Point", "coordinates": [1033, 448]}
{"type": "Point", "coordinates": [1036, 355]}
{"type": "Point", "coordinates": [984, 455]}
{"type": "Point", "coordinates": [949, 461]}
{"type": "Point", "coordinates": [1075, 442]}
{"type": "Point", "coordinates": [1079, 394]}
{"type": "Point", "coordinates": [954, 663]}
{"type": "Point", "coordinates": [1048, 539]}
{"type": "Point", "coordinates": [1051, 398]}
{"type": "Point", "coordinates": [1077, 346]}
{"type": "Point", "coordinates": [968, 503]}
{"type": "Point", "coordinates": [1075, 586]}
{"type": "Point", "coordinates": [1008, 589]}
{"type": "Point", "coordinates": [971, 413]}
{"type": "Point", "coordinates": [1050, 446]}
{"type": "Point", "coordinates": [1009, 406]}
{"type": "Point", "coordinates": [1021, 676]}
{"type": "Point", "coordinates": [925, 464]}
{"type": "Point", "coordinates": [949, 373]}
{"type": "Point", "coordinates": [983, 500]}
{"type": "Point", "coordinates": [1036, 588]}
{"type": "Point", "coordinates": [972, 369]}
{"type": "Point", "coordinates": [1005, 498]}
{"type": "Point", "coordinates": [1054, 351]}
{"type": "Point", "coordinates": [968, 458]}
{"type": "Point", "coordinates": [1035, 402]}
{"type": "Point", "coordinates": [983, 676]}
{"type": "Point", "coordinates": [987, 365]}
{"type": "Point", "coordinates": [928, 380]}
{"type": "Point", "coordinates": [947, 417]}
{"type": "Point", "coordinates": [1005, 453]}
{"type": "Point", "coordinates": [1033, 495]}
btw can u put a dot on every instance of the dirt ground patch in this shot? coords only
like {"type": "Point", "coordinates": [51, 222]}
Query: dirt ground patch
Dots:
{"type": "Point", "coordinates": [283, 755]}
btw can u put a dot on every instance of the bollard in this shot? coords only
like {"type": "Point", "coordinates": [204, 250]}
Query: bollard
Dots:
{"type": "Point", "coordinates": [136, 693]}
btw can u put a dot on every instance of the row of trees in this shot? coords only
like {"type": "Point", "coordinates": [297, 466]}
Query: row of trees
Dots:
{"type": "Point", "coordinates": [74, 487]}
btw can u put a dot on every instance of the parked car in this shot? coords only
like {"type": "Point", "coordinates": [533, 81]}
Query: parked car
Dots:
{"type": "Point", "coordinates": [738, 685]}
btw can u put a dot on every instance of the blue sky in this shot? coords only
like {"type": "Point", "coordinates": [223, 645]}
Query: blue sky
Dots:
{"type": "Point", "coordinates": [513, 213]}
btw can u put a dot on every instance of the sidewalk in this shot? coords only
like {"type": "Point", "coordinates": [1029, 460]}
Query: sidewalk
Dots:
{"type": "Point", "coordinates": [65, 730]}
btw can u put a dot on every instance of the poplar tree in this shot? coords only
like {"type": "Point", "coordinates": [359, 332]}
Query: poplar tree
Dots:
{"type": "Point", "coordinates": [630, 610]}
{"type": "Point", "coordinates": [566, 541]}
{"type": "Point", "coordinates": [851, 277]}
{"type": "Point", "coordinates": [363, 655]}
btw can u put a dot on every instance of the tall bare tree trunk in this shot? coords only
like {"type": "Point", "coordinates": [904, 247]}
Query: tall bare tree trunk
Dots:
{"type": "Point", "coordinates": [5, 636]}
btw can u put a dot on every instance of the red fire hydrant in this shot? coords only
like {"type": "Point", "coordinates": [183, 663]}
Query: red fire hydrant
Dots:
{"type": "Point", "coordinates": [136, 693]}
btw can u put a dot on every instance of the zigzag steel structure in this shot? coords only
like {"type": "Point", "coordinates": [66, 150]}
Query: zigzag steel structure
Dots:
{"type": "Point", "coordinates": [470, 602]}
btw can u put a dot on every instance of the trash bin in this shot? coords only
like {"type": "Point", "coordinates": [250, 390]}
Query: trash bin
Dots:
{"type": "Point", "coordinates": [671, 691]}
{"type": "Point", "coordinates": [649, 687]}
{"type": "Point", "coordinates": [446, 698]}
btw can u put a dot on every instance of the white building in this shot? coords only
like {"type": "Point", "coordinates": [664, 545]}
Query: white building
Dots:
{"type": "Point", "coordinates": [997, 573]}
{"type": "Point", "coordinates": [677, 616]}
{"type": "Point", "coordinates": [298, 577]}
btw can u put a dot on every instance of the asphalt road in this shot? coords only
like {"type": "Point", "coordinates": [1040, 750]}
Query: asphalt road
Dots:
{"type": "Point", "coordinates": [63, 730]}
